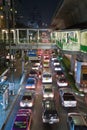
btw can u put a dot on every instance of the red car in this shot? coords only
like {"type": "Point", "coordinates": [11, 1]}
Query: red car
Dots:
{"type": "Point", "coordinates": [22, 120]}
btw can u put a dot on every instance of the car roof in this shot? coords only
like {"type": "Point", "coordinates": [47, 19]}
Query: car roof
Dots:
{"type": "Point", "coordinates": [66, 90]}
{"type": "Point", "coordinates": [28, 111]}
{"type": "Point", "coordinates": [29, 93]}
{"type": "Point", "coordinates": [49, 101]}
{"type": "Point", "coordinates": [46, 86]}
{"type": "Point", "coordinates": [30, 78]}
{"type": "Point", "coordinates": [68, 94]}
{"type": "Point", "coordinates": [33, 71]}
{"type": "Point", "coordinates": [47, 73]}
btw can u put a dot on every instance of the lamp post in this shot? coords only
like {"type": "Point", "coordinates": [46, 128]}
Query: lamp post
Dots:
{"type": "Point", "coordinates": [1, 18]}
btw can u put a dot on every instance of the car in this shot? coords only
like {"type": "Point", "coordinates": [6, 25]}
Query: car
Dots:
{"type": "Point", "coordinates": [76, 121]}
{"type": "Point", "coordinates": [31, 83]}
{"type": "Point", "coordinates": [67, 98]}
{"type": "Point", "coordinates": [49, 113]}
{"type": "Point", "coordinates": [35, 67]}
{"type": "Point", "coordinates": [38, 63]}
{"type": "Point", "coordinates": [23, 110]}
{"type": "Point", "coordinates": [48, 91]}
{"type": "Point", "coordinates": [53, 53]}
{"type": "Point", "coordinates": [33, 73]}
{"type": "Point", "coordinates": [27, 99]}
{"type": "Point", "coordinates": [56, 62]}
{"type": "Point", "coordinates": [59, 74]}
{"type": "Point", "coordinates": [54, 57]}
{"type": "Point", "coordinates": [46, 77]}
{"type": "Point", "coordinates": [57, 68]}
{"type": "Point", "coordinates": [62, 82]}
{"type": "Point", "coordinates": [22, 120]}
{"type": "Point", "coordinates": [45, 64]}
{"type": "Point", "coordinates": [40, 52]}
{"type": "Point", "coordinates": [45, 56]}
{"type": "Point", "coordinates": [46, 59]}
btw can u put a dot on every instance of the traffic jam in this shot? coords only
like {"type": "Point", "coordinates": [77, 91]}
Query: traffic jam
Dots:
{"type": "Point", "coordinates": [48, 78]}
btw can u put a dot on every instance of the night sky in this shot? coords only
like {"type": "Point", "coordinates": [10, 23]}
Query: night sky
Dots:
{"type": "Point", "coordinates": [44, 8]}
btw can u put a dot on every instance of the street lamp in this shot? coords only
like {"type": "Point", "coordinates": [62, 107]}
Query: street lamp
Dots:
{"type": "Point", "coordinates": [1, 20]}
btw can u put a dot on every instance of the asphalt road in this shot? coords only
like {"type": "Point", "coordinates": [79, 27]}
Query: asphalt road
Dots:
{"type": "Point", "coordinates": [37, 110]}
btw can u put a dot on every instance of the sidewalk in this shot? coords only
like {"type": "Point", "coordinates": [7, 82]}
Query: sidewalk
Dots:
{"type": "Point", "coordinates": [4, 114]}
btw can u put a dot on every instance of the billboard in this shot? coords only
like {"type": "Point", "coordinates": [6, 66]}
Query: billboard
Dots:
{"type": "Point", "coordinates": [33, 54]}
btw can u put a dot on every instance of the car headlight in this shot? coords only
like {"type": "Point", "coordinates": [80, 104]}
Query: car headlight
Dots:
{"type": "Point", "coordinates": [33, 86]}
{"type": "Point", "coordinates": [51, 95]}
{"type": "Point", "coordinates": [45, 96]}
{"type": "Point", "coordinates": [27, 86]}
{"type": "Point", "coordinates": [22, 104]}
{"type": "Point", "coordinates": [30, 104]}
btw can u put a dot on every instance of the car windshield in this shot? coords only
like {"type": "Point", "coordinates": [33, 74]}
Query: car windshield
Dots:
{"type": "Point", "coordinates": [49, 105]}
{"type": "Point", "coordinates": [58, 66]}
{"type": "Point", "coordinates": [59, 72]}
{"type": "Point", "coordinates": [26, 97]}
{"type": "Point", "coordinates": [48, 90]}
{"type": "Point", "coordinates": [19, 124]}
{"type": "Point", "coordinates": [80, 127]}
{"type": "Point", "coordinates": [35, 65]}
{"type": "Point", "coordinates": [62, 79]}
{"type": "Point", "coordinates": [51, 111]}
{"type": "Point", "coordinates": [68, 96]}
{"type": "Point", "coordinates": [47, 75]}
{"type": "Point", "coordinates": [30, 81]}
{"type": "Point", "coordinates": [56, 61]}
{"type": "Point", "coordinates": [33, 72]}
{"type": "Point", "coordinates": [46, 63]}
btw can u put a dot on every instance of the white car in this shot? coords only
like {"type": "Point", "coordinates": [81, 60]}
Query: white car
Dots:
{"type": "Point", "coordinates": [46, 59]}
{"type": "Point", "coordinates": [27, 100]}
{"type": "Point", "coordinates": [62, 82]}
{"type": "Point", "coordinates": [57, 68]}
{"type": "Point", "coordinates": [54, 57]}
{"type": "Point", "coordinates": [38, 64]}
{"type": "Point", "coordinates": [46, 78]}
{"type": "Point", "coordinates": [67, 99]}
{"type": "Point", "coordinates": [48, 92]}
{"type": "Point", "coordinates": [35, 67]}
{"type": "Point", "coordinates": [56, 62]}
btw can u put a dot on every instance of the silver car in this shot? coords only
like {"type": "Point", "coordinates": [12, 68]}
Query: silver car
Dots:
{"type": "Point", "coordinates": [67, 98]}
{"type": "Point", "coordinates": [27, 100]}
